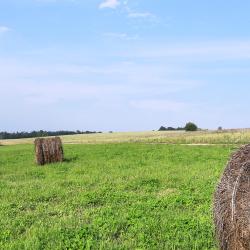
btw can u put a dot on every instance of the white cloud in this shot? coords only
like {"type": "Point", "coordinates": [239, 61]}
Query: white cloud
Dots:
{"type": "Point", "coordinates": [122, 36]}
{"type": "Point", "coordinates": [4, 29]}
{"type": "Point", "coordinates": [198, 51]}
{"type": "Point", "coordinates": [41, 83]}
{"type": "Point", "coordinates": [148, 84]}
{"type": "Point", "coordinates": [109, 4]}
{"type": "Point", "coordinates": [140, 15]}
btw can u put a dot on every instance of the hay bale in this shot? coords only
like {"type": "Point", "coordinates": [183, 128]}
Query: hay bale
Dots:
{"type": "Point", "coordinates": [48, 150]}
{"type": "Point", "coordinates": [232, 203]}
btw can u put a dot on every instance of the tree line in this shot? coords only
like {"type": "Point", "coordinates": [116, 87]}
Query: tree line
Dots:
{"type": "Point", "coordinates": [190, 126]}
{"type": "Point", "coordinates": [41, 133]}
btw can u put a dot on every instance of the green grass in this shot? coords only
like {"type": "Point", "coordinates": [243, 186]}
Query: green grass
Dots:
{"type": "Point", "coordinates": [110, 196]}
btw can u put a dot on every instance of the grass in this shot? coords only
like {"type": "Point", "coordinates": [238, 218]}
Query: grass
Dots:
{"type": "Point", "coordinates": [237, 136]}
{"type": "Point", "coordinates": [110, 196]}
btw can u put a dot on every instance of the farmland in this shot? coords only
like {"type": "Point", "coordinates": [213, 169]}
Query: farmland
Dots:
{"type": "Point", "coordinates": [110, 196]}
{"type": "Point", "coordinates": [236, 136]}
{"type": "Point", "coordinates": [124, 125]}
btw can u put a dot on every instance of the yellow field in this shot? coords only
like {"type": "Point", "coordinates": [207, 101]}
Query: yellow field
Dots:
{"type": "Point", "coordinates": [239, 136]}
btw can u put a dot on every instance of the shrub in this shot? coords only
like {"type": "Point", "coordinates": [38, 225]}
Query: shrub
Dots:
{"type": "Point", "coordinates": [190, 126]}
{"type": "Point", "coordinates": [162, 128]}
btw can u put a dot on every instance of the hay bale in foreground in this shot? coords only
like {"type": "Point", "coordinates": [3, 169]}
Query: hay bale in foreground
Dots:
{"type": "Point", "coordinates": [232, 203]}
{"type": "Point", "coordinates": [48, 150]}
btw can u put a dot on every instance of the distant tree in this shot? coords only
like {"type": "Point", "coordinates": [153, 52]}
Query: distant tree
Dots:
{"type": "Point", "coordinates": [170, 128]}
{"type": "Point", "coordinates": [180, 128]}
{"type": "Point", "coordinates": [190, 126]}
{"type": "Point", "coordinates": [40, 133]}
{"type": "Point", "coordinates": [220, 129]}
{"type": "Point", "coordinates": [162, 128]}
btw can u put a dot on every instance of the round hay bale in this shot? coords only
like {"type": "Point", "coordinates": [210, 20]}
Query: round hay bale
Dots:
{"type": "Point", "coordinates": [48, 150]}
{"type": "Point", "coordinates": [232, 203]}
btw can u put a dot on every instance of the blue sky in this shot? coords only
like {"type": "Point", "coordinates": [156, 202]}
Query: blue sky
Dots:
{"type": "Point", "coordinates": [124, 65]}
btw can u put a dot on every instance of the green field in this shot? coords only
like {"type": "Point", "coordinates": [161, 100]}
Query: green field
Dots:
{"type": "Point", "coordinates": [110, 196]}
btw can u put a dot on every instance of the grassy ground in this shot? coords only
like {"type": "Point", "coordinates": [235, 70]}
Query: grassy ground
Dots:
{"type": "Point", "coordinates": [240, 136]}
{"type": "Point", "coordinates": [110, 196]}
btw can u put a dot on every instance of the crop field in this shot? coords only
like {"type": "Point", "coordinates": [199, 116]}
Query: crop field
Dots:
{"type": "Point", "coordinates": [235, 136]}
{"type": "Point", "coordinates": [111, 196]}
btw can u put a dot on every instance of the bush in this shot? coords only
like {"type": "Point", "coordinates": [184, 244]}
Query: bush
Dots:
{"type": "Point", "coordinates": [162, 128]}
{"type": "Point", "coordinates": [190, 126]}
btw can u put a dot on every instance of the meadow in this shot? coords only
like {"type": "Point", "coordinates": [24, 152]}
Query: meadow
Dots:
{"type": "Point", "coordinates": [143, 195]}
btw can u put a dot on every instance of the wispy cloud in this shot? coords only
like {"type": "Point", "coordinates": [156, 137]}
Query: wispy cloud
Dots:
{"type": "Point", "coordinates": [131, 13]}
{"type": "Point", "coordinates": [118, 79]}
{"type": "Point", "coordinates": [4, 29]}
{"type": "Point", "coordinates": [140, 14]}
{"type": "Point", "coordinates": [109, 4]}
{"type": "Point", "coordinates": [198, 51]}
{"type": "Point", "coordinates": [122, 36]}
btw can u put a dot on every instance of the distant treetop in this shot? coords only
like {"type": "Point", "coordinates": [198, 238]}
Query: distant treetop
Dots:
{"type": "Point", "coordinates": [162, 128]}
{"type": "Point", "coordinates": [41, 133]}
{"type": "Point", "coordinates": [190, 126]}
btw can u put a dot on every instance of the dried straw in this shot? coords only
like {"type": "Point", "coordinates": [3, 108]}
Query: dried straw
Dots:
{"type": "Point", "coordinates": [232, 203]}
{"type": "Point", "coordinates": [48, 150]}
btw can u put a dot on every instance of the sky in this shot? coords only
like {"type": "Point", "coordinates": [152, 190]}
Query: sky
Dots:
{"type": "Point", "coordinates": [124, 65]}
